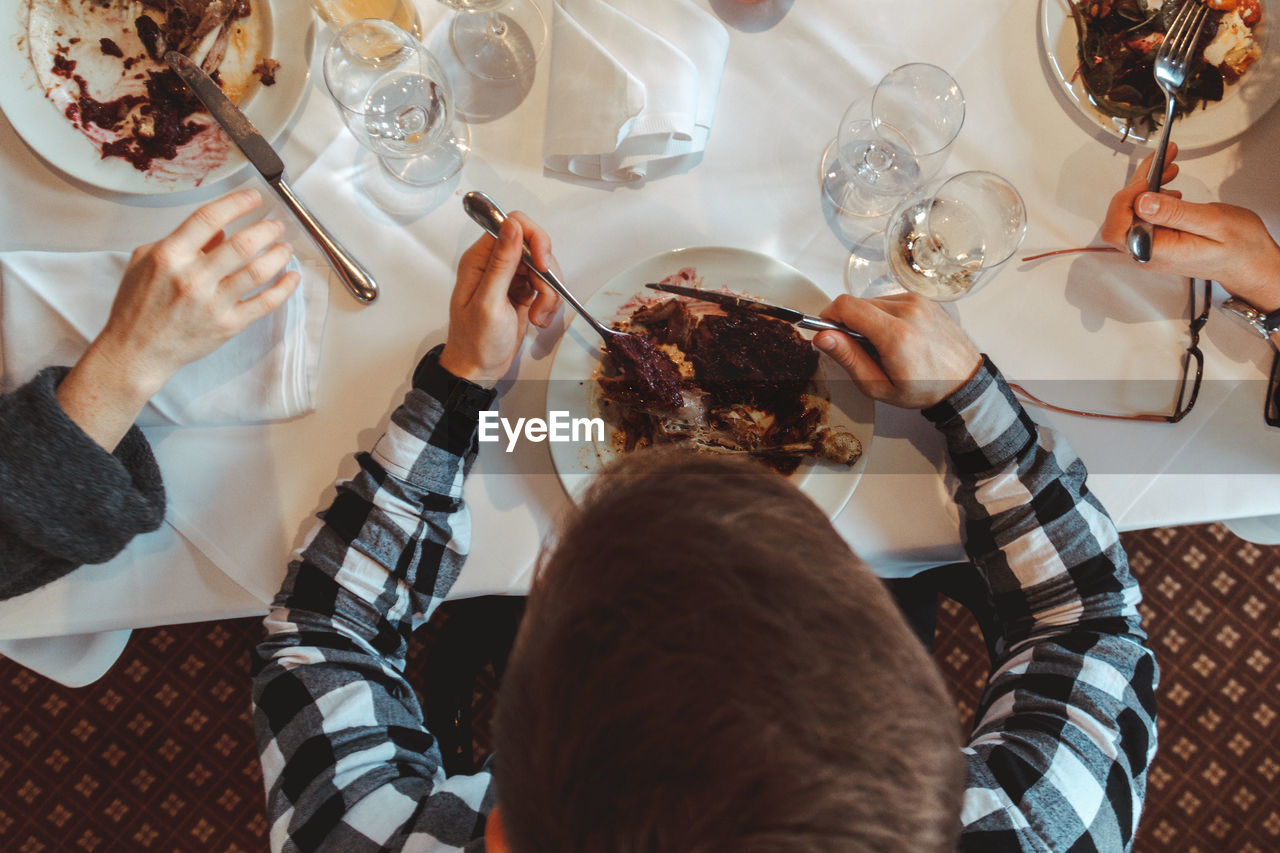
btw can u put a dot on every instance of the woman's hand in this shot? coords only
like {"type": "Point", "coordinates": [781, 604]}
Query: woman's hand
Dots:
{"type": "Point", "coordinates": [180, 299]}
{"type": "Point", "coordinates": [1222, 242]}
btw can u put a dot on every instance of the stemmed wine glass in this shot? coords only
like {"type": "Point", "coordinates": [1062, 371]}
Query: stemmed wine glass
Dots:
{"type": "Point", "coordinates": [947, 239]}
{"type": "Point", "coordinates": [338, 13]}
{"type": "Point", "coordinates": [497, 39]}
{"type": "Point", "coordinates": [891, 140]}
{"type": "Point", "coordinates": [396, 101]}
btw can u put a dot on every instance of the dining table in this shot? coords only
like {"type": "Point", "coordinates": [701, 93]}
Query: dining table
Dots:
{"type": "Point", "coordinates": [1086, 330]}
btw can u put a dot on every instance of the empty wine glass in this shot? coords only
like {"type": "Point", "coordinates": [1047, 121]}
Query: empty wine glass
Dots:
{"type": "Point", "coordinates": [497, 39]}
{"type": "Point", "coordinates": [891, 140]}
{"type": "Point", "coordinates": [946, 240]}
{"type": "Point", "coordinates": [396, 101]}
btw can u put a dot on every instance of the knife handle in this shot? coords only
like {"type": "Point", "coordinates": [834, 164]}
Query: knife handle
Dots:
{"type": "Point", "coordinates": [354, 276]}
{"type": "Point", "coordinates": [811, 322]}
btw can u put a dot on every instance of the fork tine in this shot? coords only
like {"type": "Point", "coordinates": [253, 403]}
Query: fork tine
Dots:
{"type": "Point", "coordinates": [1185, 31]}
{"type": "Point", "coordinates": [1202, 16]}
{"type": "Point", "coordinates": [1178, 26]}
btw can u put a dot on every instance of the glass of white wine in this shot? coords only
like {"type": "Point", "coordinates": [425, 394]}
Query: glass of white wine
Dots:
{"type": "Point", "coordinates": [947, 240]}
{"type": "Point", "coordinates": [497, 39]}
{"type": "Point", "coordinates": [891, 140]}
{"type": "Point", "coordinates": [396, 100]}
{"type": "Point", "coordinates": [338, 13]}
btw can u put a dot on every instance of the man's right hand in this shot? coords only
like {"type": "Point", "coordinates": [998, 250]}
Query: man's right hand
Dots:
{"type": "Point", "coordinates": [924, 355]}
{"type": "Point", "coordinates": [1223, 242]}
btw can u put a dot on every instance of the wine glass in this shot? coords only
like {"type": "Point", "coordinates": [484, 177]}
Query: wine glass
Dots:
{"type": "Point", "coordinates": [497, 39]}
{"type": "Point", "coordinates": [338, 13]}
{"type": "Point", "coordinates": [396, 101]}
{"type": "Point", "coordinates": [947, 240]}
{"type": "Point", "coordinates": [891, 140]}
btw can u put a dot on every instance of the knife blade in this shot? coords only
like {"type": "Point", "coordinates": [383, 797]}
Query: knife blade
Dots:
{"type": "Point", "coordinates": [268, 163]}
{"type": "Point", "coordinates": [787, 315]}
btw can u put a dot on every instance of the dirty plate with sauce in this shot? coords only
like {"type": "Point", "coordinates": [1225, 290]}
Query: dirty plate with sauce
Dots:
{"type": "Point", "coordinates": [573, 386]}
{"type": "Point", "coordinates": [284, 31]}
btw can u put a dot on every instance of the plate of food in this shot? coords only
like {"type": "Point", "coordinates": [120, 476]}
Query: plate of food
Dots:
{"type": "Point", "coordinates": [721, 382]}
{"type": "Point", "coordinates": [1102, 51]}
{"type": "Point", "coordinates": [87, 87]}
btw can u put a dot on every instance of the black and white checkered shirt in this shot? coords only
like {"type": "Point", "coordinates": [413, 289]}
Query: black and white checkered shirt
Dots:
{"type": "Point", "coordinates": [1065, 732]}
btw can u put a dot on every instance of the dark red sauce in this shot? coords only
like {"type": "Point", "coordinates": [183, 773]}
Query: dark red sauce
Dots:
{"type": "Point", "coordinates": [646, 376]}
{"type": "Point", "coordinates": [742, 357]}
{"type": "Point", "coordinates": [63, 67]}
{"type": "Point", "coordinates": [163, 111]}
{"type": "Point", "coordinates": [108, 115]}
{"type": "Point", "coordinates": [149, 33]}
{"type": "Point", "coordinates": [110, 48]}
{"type": "Point", "coordinates": [266, 71]}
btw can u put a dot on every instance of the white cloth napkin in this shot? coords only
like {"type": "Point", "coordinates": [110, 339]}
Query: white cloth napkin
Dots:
{"type": "Point", "coordinates": [52, 304]}
{"type": "Point", "coordinates": [633, 87]}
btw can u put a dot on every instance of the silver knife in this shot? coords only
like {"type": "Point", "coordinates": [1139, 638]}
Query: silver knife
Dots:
{"type": "Point", "coordinates": [271, 167]}
{"type": "Point", "coordinates": [787, 315]}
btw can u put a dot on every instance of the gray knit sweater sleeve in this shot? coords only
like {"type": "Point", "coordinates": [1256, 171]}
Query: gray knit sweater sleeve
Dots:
{"type": "Point", "coordinates": [64, 501]}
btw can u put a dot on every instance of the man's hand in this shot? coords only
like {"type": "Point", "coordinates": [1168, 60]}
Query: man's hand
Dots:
{"type": "Point", "coordinates": [495, 299]}
{"type": "Point", "coordinates": [1215, 241]}
{"type": "Point", "coordinates": [924, 356]}
{"type": "Point", "coordinates": [180, 299]}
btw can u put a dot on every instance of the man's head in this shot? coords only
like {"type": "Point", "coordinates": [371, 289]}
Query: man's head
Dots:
{"type": "Point", "coordinates": [704, 665]}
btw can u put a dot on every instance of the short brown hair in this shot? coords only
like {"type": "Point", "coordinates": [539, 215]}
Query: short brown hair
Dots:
{"type": "Point", "coordinates": [704, 665]}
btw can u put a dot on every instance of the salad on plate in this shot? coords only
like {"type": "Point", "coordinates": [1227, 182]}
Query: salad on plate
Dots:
{"type": "Point", "coordinates": [1117, 41]}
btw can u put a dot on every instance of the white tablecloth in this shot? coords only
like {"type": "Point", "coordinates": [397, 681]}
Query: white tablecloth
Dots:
{"type": "Point", "coordinates": [245, 496]}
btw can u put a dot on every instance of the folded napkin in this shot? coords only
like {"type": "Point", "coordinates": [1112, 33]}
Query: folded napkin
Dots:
{"type": "Point", "coordinates": [52, 304]}
{"type": "Point", "coordinates": [633, 86]}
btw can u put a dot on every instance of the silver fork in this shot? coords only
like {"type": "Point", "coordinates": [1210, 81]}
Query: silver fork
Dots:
{"type": "Point", "coordinates": [1173, 61]}
{"type": "Point", "coordinates": [489, 216]}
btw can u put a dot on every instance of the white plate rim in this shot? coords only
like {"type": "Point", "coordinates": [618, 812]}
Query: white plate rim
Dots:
{"type": "Point", "coordinates": [1244, 102]}
{"type": "Point", "coordinates": [576, 357]}
{"type": "Point", "coordinates": [59, 143]}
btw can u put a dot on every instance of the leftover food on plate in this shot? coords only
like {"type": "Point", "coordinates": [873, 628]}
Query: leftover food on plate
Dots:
{"type": "Point", "coordinates": [1117, 41]}
{"type": "Point", "coordinates": [101, 63]}
{"type": "Point", "coordinates": [724, 382]}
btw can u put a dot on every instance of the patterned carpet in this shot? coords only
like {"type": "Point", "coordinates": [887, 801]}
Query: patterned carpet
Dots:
{"type": "Point", "coordinates": [159, 754]}
{"type": "Point", "coordinates": [1212, 609]}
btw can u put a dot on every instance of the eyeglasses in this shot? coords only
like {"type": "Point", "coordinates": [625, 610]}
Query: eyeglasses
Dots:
{"type": "Point", "coordinates": [1188, 388]}
{"type": "Point", "coordinates": [1272, 409]}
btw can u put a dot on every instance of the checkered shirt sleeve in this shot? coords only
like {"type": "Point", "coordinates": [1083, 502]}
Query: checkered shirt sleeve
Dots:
{"type": "Point", "coordinates": [347, 762]}
{"type": "Point", "coordinates": [1065, 729]}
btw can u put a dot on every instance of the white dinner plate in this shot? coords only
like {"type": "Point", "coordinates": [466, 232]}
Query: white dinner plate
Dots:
{"type": "Point", "coordinates": [289, 28]}
{"type": "Point", "coordinates": [1243, 103]}
{"type": "Point", "coordinates": [572, 387]}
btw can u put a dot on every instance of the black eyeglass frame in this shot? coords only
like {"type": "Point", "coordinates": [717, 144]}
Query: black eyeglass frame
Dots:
{"type": "Point", "coordinates": [1271, 403]}
{"type": "Point", "coordinates": [1192, 353]}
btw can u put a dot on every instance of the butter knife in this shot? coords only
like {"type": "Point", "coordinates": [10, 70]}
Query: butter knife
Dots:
{"type": "Point", "coordinates": [787, 315]}
{"type": "Point", "coordinates": [268, 163]}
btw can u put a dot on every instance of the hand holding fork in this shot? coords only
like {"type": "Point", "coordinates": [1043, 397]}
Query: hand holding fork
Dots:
{"type": "Point", "coordinates": [1172, 69]}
